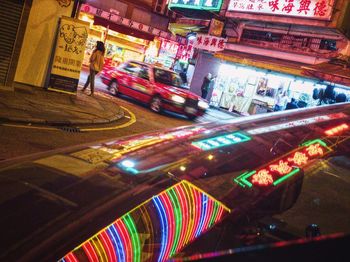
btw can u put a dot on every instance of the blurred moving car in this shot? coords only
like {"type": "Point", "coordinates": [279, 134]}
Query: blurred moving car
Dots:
{"type": "Point", "coordinates": [178, 192]}
{"type": "Point", "coordinates": [161, 88]}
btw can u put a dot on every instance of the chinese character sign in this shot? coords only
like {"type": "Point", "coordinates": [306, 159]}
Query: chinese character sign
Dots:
{"type": "Point", "coordinates": [69, 54]}
{"type": "Point", "coordinates": [210, 43]}
{"type": "Point", "coordinates": [319, 9]}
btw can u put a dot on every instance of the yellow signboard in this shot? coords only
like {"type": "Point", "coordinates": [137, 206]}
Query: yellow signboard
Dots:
{"type": "Point", "coordinates": [69, 55]}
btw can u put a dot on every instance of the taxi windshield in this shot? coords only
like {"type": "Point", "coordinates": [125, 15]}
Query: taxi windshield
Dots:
{"type": "Point", "coordinates": [167, 77]}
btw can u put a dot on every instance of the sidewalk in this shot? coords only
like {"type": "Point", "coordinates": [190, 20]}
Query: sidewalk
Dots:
{"type": "Point", "coordinates": [35, 105]}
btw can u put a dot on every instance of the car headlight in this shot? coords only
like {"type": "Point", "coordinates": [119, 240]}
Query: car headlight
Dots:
{"type": "Point", "coordinates": [203, 104]}
{"type": "Point", "coordinates": [178, 99]}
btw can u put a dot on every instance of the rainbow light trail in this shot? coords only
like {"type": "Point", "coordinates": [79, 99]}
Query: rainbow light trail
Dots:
{"type": "Point", "coordinates": [180, 214]}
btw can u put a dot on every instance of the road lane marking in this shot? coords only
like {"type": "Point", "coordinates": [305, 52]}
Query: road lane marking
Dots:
{"type": "Point", "coordinates": [132, 120]}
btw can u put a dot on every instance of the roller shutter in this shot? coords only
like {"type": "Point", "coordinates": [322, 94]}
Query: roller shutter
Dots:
{"type": "Point", "coordinates": [10, 16]}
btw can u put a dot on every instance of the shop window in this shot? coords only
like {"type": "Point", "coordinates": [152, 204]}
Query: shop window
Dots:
{"type": "Point", "coordinates": [327, 44]}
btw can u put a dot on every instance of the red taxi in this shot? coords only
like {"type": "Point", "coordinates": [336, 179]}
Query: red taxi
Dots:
{"type": "Point", "coordinates": [161, 88]}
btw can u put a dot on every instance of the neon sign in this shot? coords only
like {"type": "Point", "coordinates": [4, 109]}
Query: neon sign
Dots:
{"type": "Point", "coordinates": [320, 9]}
{"type": "Point", "coordinates": [172, 219]}
{"type": "Point", "coordinates": [291, 124]}
{"type": "Point", "coordinates": [221, 141]}
{"type": "Point", "coordinates": [283, 168]}
{"type": "Point", "coordinates": [212, 5]}
{"type": "Point", "coordinates": [336, 130]}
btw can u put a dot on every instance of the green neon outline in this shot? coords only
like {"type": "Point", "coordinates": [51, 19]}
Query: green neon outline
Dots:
{"type": "Point", "coordinates": [214, 214]}
{"type": "Point", "coordinates": [134, 236]}
{"type": "Point", "coordinates": [178, 224]}
{"type": "Point", "coordinates": [196, 7]}
{"type": "Point", "coordinates": [310, 142]}
{"type": "Point", "coordinates": [280, 180]}
{"type": "Point", "coordinates": [243, 179]}
{"type": "Point", "coordinates": [243, 138]}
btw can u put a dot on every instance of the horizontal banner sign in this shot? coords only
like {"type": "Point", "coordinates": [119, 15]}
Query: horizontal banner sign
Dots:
{"type": "Point", "coordinates": [317, 9]}
{"type": "Point", "coordinates": [210, 43]}
{"type": "Point", "coordinates": [130, 23]}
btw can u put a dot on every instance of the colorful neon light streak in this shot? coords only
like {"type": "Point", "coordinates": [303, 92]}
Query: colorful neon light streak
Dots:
{"type": "Point", "coordinates": [108, 246]}
{"type": "Point", "coordinates": [117, 242]}
{"type": "Point", "coordinates": [178, 222]}
{"type": "Point", "coordinates": [184, 210]}
{"type": "Point", "coordinates": [164, 227]}
{"type": "Point", "coordinates": [170, 216]}
{"type": "Point", "coordinates": [181, 213]}
{"type": "Point", "coordinates": [134, 236]}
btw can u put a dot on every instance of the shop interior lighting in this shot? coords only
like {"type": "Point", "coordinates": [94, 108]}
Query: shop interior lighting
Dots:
{"type": "Point", "coordinates": [221, 141]}
{"type": "Point", "coordinates": [337, 129]}
{"type": "Point", "coordinates": [283, 168]}
{"type": "Point", "coordinates": [172, 219]}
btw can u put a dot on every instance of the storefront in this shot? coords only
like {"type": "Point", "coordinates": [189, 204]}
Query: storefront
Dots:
{"type": "Point", "coordinates": [252, 90]}
{"type": "Point", "coordinates": [119, 47]}
{"type": "Point", "coordinates": [126, 39]}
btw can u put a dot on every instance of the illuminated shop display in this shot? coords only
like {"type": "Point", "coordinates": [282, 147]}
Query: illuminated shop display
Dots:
{"type": "Point", "coordinates": [155, 230]}
{"type": "Point", "coordinates": [220, 141]}
{"type": "Point", "coordinates": [291, 124]}
{"type": "Point", "coordinates": [285, 167]}
{"type": "Point", "coordinates": [337, 129]}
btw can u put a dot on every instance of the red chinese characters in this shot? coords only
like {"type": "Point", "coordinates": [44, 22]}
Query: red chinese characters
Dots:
{"type": "Point", "coordinates": [262, 178]}
{"type": "Point", "coordinates": [282, 167]}
{"type": "Point", "coordinates": [274, 5]}
{"type": "Point", "coordinates": [289, 6]}
{"type": "Point", "coordinates": [314, 150]}
{"type": "Point", "coordinates": [320, 8]}
{"type": "Point", "coordinates": [304, 5]}
{"type": "Point", "coordinates": [299, 159]}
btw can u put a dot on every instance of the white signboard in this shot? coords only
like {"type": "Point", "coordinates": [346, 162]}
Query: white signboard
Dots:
{"type": "Point", "coordinates": [317, 9]}
{"type": "Point", "coordinates": [209, 42]}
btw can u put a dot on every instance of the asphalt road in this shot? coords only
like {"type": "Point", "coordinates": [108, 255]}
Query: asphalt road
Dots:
{"type": "Point", "coordinates": [20, 141]}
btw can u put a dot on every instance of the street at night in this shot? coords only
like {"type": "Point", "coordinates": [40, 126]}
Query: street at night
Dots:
{"type": "Point", "coordinates": [176, 130]}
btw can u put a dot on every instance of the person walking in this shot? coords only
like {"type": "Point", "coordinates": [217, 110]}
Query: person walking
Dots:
{"type": "Point", "coordinates": [206, 85]}
{"type": "Point", "coordinates": [96, 65]}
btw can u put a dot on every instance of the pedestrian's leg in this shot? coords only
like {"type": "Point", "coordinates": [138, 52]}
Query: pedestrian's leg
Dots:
{"type": "Point", "coordinates": [92, 82]}
{"type": "Point", "coordinates": [87, 83]}
{"type": "Point", "coordinates": [204, 94]}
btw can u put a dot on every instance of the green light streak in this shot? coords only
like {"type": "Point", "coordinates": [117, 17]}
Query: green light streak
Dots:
{"type": "Point", "coordinates": [278, 181]}
{"type": "Point", "coordinates": [307, 143]}
{"type": "Point", "coordinates": [178, 223]}
{"type": "Point", "coordinates": [215, 213]}
{"type": "Point", "coordinates": [243, 179]}
{"type": "Point", "coordinates": [129, 222]}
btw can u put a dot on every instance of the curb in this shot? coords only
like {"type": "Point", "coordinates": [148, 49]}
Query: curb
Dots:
{"type": "Point", "coordinates": [64, 122]}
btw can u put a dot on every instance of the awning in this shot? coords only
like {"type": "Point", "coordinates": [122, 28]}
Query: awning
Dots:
{"type": "Point", "coordinates": [334, 73]}
{"type": "Point", "coordinates": [122, 29]}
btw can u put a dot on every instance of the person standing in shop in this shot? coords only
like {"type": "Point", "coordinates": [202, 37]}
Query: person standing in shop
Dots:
{"type": "Point", "coordinates": [96, 65]}
{"type": "Point", "coordinates": [207, 81]}
{"type": "Point", "coordinates": [281, 101]}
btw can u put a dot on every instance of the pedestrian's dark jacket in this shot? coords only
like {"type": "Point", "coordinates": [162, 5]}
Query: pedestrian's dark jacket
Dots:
{"type": "Point", "coordinates": [206, 83]}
